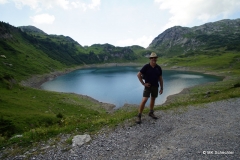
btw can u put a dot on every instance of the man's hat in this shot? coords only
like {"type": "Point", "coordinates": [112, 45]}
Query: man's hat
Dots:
{"type": "Point", "coordinates": [153, 55]}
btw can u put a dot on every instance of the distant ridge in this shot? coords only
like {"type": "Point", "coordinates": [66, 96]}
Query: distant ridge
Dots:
{"type": "Point", "coordinates": [31, 29]}
{"type": "Point", "coordinates": [179, 40]}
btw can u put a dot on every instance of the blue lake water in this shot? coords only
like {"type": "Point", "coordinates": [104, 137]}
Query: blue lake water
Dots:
{"type": "Point", "coordinates": [119, 85]}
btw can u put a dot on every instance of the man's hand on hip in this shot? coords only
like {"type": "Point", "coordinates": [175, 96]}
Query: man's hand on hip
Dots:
{"type": "Point", "coordinates": [147, 84]}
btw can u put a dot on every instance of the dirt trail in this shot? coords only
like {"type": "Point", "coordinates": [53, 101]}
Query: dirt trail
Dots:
{"type": "Point", "coordinates": [208, 131]}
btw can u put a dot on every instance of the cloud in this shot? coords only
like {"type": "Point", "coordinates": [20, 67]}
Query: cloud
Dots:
{"type": "Point", "coordinates": [33, 4]}
{"type": "Point", "coordinates": [3, 1]}
{"type": "Point", "coordinates": [85, 6]}
{"type": "Point", "coordinates": [143, 41]}
{"type": "Point", "coordinates": [94, 4]}
{"type": "Point", "coordinates": [47, 4]}
{"type": "Point", "coordinates": [43, 19]}
{"type": "Point", "coordinates": [184, 12]}
{"type": "Point", "coordinates": [79, 5]}
{"type": "Point", "coordinates": [63, 4]}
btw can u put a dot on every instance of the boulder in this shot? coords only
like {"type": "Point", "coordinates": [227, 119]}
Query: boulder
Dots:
{"type": "Point", "coordinates": [79, 140]}
{"type": "Point", "coordinates": [17, 136]}
{"type": "Point", "coordinates": [3, 56]}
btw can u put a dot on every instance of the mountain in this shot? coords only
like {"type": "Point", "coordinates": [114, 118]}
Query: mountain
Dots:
{"type": "Point", "coordinates": [224, 34]}
{"type": "Point", "coordinates": [27, 50]}
{"type": "Point", "coordinates": [74, 53]}
{"type": "Point", "coordinates": [22, 55]}
{"type": "Point", "coordinates": [31, 29]}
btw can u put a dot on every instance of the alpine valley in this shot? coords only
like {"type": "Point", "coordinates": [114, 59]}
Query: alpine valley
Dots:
{"type": "Point", "coordinates": [27, 50]}
{"type": "Point", "coordinates": [29, 115]}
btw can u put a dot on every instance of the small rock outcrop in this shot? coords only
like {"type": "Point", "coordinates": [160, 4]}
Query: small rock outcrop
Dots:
{"type": "Point", "coordinates": [80, 140]}
{"type": "Point", "coordinates": [3, 56]}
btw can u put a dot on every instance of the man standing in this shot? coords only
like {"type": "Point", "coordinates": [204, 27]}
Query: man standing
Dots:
{"type": "Point", "coordinates": [152, 74]}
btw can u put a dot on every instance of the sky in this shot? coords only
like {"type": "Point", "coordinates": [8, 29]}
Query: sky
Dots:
{"type": "Point", "coordinates": [116, 22]}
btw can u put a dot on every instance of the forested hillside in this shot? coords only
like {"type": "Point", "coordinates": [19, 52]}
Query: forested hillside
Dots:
{"type": "Point", "coordinates": [27, 50]}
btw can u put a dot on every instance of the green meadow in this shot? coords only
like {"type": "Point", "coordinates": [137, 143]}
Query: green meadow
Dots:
{"type": "Point", "coordinates": [39, 115]}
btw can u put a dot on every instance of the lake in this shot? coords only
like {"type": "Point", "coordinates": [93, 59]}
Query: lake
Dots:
{"type": "Point", "coordinates": [119, 85]}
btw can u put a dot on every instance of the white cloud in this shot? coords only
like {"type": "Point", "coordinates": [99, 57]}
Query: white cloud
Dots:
{"type": "Point", "coordinates": [33, 4]}
{"type": "Point", "coordinates": [3, 1]}
{"type": "Point", "coordinates": [94, 4]}
{"type": "Point", "coordinates": [85, 6]}
{"type": "Point", "coordinates": [43, 19]}
{"type": "Point", "coordinates": [79, 5]}
{"type": "Point", "coordinates": [63, 3]}
{"type": "Point", "coordinates": [184, 12]}
{"type": "Point", "coordinates": [143, 41]}
{"type": "Point", "coordinates": [47, 4]}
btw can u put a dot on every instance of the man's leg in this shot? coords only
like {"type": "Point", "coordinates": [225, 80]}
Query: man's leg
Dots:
{"type": "Point", "coordinates": [140, 110]}
{"type": "Point", "coordinates": [142, 104]}
{"type": "Point", "coordinates": [146, 95]}
{"type": "Point", "coordinates": [152, 102]}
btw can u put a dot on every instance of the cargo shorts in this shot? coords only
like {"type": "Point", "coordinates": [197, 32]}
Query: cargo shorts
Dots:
{"type": "Point", "coordinates": [153, 91]}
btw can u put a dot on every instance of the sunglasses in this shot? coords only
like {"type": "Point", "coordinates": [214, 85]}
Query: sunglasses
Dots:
{"type": "Point", "coordinates": [153, 58]}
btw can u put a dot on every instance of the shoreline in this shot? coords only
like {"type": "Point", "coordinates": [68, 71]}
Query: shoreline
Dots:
{"type": "Point", "coordinates": [37, 80]}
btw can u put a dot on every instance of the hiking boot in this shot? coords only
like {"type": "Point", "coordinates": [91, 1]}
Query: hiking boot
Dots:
{"type": "Point", "coordinates": [151, 114]}
{"type": "Point", "coordinates": [138, 121]}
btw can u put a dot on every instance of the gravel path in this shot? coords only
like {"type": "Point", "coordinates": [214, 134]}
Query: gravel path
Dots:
{"type": "Point", "coordinates": [209, 131]}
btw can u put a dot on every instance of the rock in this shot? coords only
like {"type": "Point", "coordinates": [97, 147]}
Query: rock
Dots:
{"type": "Point", "coordinates": [8, 64]}
{"type": "Point", "coordinates": [44, 148]}
{"type": "Point", "coordinates": [208, 92]}
{"type": "Point", "coordinates": [3, 56]}
{"type": "Point", "coordinates": [236, 85]}
{"type": "Point", "coordinates": [17, 136]}
{"type": "Point", "coordinates": [217, 91]}
{"type": "Point", "coordinates": [80, 140]}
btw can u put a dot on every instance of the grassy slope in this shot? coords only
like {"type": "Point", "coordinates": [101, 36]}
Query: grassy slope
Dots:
{"type": "Point", "coordinates": [225, 64]}
{"type": "Point", "coordinates": [23, 109]}
{"type": "Point", "coordinates": [25, 60]}
{"type": "Point", "coordinates": [39, 115]}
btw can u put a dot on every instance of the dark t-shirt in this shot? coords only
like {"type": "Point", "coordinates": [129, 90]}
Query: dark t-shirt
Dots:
{"type": "Point", "coordinates": [151, 74]}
